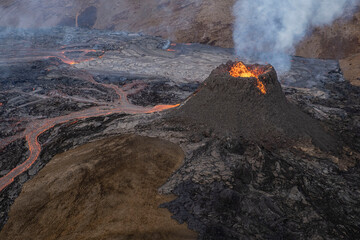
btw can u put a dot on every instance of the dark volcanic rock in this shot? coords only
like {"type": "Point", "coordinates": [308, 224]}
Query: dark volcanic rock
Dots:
{"type": "Point", "coordinates": [88, 17]}
{"type": "Point", "coordinates": [274, 190]}
{"type": "Point", "coordinates": [234, 106]}
{"type": "Point", "coordinates": [271, 196]}
{"type": "Point", "coordinates": [12, 155]}
{"type": "Point", "coordinates": [161, 92]}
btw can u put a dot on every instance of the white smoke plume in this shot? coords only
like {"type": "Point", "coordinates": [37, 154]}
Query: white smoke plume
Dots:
{"type": "Point", "coordinates": [268, 30]}
{"type": "Point", "coordinates": [23, 14]}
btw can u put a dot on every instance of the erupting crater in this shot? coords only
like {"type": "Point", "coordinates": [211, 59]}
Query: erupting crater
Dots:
{"type": "Point", "coordinates": [247, 101]}
{"type": "Point", "coordinates": [240, 70]}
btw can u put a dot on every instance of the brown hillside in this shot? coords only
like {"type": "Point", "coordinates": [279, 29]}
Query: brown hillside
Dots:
{"type": "Point", "coordinates": [101, 190]}
{"type": "Point", "coordinates": [336, 41]}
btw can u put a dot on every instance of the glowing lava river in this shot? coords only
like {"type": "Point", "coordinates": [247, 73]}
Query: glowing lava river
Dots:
{"type": "Point", "coordinates": [57, 76]}
{"type": "Point", "coordinates": [37, 127]}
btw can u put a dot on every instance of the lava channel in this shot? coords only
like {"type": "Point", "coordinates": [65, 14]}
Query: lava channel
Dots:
{"type": "Point", "coordinates": [37, 127]}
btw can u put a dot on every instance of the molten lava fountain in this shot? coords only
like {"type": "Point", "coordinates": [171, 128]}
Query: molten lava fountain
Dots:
{"type": "Point", "coordinates": [247, 101]}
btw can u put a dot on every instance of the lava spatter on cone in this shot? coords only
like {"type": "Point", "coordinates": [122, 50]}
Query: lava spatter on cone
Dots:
{"type": "Point", "coordinates": [233, 102]}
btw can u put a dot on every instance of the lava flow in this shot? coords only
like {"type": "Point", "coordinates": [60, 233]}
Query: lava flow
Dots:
{"type": "Point", "coordinates": [81, 58]}
{"type": "Point", "coordinates": [240, 70]}
{"type": "Point", "coordinates": [37, 127]}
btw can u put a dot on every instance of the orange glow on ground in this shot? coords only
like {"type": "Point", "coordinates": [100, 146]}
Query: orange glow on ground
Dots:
{"type": "Point", "coordinates": [159, 108]}
{"type": "Point", "coordinates": [81, 58]}
{"type": "Point", "coordinates": [240, 70]}
{"type": "Point", "coordinates": [37, 127]}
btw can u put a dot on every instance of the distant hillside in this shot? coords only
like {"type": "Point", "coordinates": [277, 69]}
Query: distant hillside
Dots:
{"type": "Point", "coordinates": [337, 41]}
{"type": "Point", "coordinates": [204, 21]}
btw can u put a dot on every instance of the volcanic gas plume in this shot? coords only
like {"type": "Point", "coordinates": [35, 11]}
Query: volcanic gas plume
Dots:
{"type": "Point", "coordinates": [268, 30]}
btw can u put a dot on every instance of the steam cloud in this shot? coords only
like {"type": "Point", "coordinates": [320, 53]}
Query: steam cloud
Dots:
{"type": "Point", "coordinates": [267, 30]}
{"type": "Point", "coordinates": [23, 14]}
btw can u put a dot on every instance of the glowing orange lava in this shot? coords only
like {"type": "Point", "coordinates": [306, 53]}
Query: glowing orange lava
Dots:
{"type": "Point", "coordinates": [240, 70]}
{"type": "Point", "coordinates": [81, 58]}
{"type": "Point", "coordinates": [37, 127]}
{"type": "Point", "coordinates": [159, 108]}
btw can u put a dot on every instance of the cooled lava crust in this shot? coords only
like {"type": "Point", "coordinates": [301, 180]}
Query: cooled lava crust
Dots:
{"type": "Point", "coordinates": [234, 106]}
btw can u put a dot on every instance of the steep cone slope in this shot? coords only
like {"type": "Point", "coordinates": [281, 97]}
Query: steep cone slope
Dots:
{"type": "Point", "coordinates": [237, 106]}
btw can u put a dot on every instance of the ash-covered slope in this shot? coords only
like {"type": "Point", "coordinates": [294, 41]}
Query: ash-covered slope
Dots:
{"type": "Point", "coordinates": [235, 106]}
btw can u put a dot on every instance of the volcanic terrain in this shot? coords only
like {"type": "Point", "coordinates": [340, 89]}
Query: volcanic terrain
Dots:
{"type": "Point", "coordinates": [110, 185]}
{"type": "Point", "coordinates": [252, 107]}
{"type": "Point", "coordinates": [264, 156]}
{"type": "Point", "coordinates": [181, 21]}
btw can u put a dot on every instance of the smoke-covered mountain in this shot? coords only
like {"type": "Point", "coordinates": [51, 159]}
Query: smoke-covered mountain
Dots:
{"type": "Point", "coordinates": [204, 21]}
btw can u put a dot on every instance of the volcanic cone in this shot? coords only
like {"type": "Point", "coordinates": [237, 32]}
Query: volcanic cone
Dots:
{"type": "Point", "coordinates": [251, 105]}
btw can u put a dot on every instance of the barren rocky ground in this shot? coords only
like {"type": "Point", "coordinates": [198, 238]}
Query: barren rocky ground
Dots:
{"type": "Point", "coordinates": [106, 83]}
{"type": "Point", "coordinates": [110, 185]}
{"type": "Point", "coordinates": [199, 21]}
